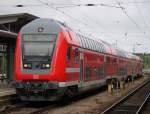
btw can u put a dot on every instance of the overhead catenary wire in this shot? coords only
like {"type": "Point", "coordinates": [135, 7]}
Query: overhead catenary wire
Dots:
{"type": "Point", "coordinates": [113, 4]}
{"type": "Point", "coordinates": [138, 27]}
{"type": "Point", "coordinates": [98, 24]}
{"type": "Point", "coordinates": [124, 4]}
{"type": "Point", "coordinates": [140, 13]}
{"type": "Point", "coordinates": [55, 8]}
{"type": "Point", "coordinates": [131, 19]}
{"type": "Point", "coordinates": [90, 4]}
{"type": "Point", "coordinates": [68, 15]}
{"type": "Point", "coordinates": [74, 5]}
{"type": "Point", "coordinates": [133, 3]}
{"type": "Point", "coordinates": [62, 12]}
{"type": "Point", "coordinates": [83, 23]}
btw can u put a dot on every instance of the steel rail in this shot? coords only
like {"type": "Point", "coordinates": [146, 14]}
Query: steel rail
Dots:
{"type": "Point", "coordinates": [40, 111]}
{"type": "Point", "coordinates": [125, 98]}
{"type": "Point", "coordinates": [8, 108]}
{"type": "Point", "coordinates": [143, 104]}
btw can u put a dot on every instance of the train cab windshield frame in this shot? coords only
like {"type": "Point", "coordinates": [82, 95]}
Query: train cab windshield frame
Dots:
{"type": "Point", "coordinates": [38, 47]}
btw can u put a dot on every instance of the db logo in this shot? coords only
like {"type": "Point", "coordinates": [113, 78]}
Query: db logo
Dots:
{"type": "Point", "coordinates": [36, 76]}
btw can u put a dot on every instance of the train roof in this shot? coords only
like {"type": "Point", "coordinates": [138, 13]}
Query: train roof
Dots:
{"type": "Point", "coordinates": [84, 41]}
{"type": "Point", "coordinates": [100, 45]}
{"type": "Point", "coordinates": [104, 47]}
{"type": "Point", "coordinates": [91, 44]}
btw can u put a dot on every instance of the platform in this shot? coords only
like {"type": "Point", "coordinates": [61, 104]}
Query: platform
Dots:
{"type": "Point", "coordinates": [146, 72]}
{"type": "Point", "coordinates": [6, 89]}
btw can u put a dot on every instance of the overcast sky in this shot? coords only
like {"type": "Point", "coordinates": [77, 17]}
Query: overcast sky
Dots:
{"type": "Point", "coordinates": [122, 23]}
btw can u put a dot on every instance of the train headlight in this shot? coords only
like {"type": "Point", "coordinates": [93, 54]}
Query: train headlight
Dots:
{"type": "Point", "coordinates": [47, 65]}
{"type": "Point", "coordinates": [29, 65]}
{"type": "Point", "coordinates": [43, 65]}
{"type": "Point", "coordinates": [25, 65]}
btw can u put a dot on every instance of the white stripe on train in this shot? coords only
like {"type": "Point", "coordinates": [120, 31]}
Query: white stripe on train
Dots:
{"type": "Point", "coordinates": [72, 70]}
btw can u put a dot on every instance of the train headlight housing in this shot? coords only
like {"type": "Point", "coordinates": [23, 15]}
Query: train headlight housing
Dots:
{"type": "Point", "coordinates": [27, 65]}
{"type": "Point", "coordinates": [45, 66]}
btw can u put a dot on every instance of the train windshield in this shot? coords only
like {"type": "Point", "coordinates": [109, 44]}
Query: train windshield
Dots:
{"type": "Point", "coordinates": [38, 47]}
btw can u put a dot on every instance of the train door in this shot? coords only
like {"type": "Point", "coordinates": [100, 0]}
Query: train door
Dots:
{"type": "Point", "coordinates": [104, 66]}
{"type": "Point", "coordinates": [81, 68]}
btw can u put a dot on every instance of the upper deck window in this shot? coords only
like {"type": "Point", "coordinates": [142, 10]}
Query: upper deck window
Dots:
{"type": "Point", "coordinates": [108, 60]}
{"type": "Point", "coordinates": [76, 55]}
{"type": "Point", "coordinates": [68, 53]}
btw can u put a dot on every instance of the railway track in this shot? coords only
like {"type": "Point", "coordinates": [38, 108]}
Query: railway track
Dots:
{"type": "Point", "coordinates": [13, 105]}
{"type": "Point", "coordinates": [44, 108]}
{"type": "Point", "coordinates": [8, 99]}
{"type": "Point", "coordinates": [133, 103]}
{"type": "Point", "coordinates": [7, 108]}
{"type": "Point", "coordinates": [41, 107]}
{"type": "Point", "coordinates": [146, 109]}
{"type": "Point", "coordinates": [7, 102]}
{"type": "Point", "coordinates": [28, 108]}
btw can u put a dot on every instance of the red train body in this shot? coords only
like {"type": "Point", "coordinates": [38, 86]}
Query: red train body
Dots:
{"type": "Point", "coordinates": [51, 61]}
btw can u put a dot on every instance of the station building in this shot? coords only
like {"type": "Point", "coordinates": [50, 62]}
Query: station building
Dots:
{"type": "Point", "coordinates": [10, 25]}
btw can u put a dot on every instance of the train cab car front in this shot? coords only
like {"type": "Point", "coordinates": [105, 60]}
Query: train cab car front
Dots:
{"type": "Point", "coordinates": [37, 65]}
{"type": "Point", "coordinates": [39, 90]}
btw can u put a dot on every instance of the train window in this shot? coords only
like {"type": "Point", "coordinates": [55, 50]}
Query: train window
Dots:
{"type": "Point", "coordinates": [39, 38]}
{"type": "Point", "coordinates": [69, 35]}
{"type": "Point", "coordinates": [88, 73]}
{"type": "Point", "coordinates": [36, 46]}
{"type": "Point", "coordinates": [68, 53]}
{"type": "Point", "coordinates": [97, 46]}
{"type": "Point", "coordinates": [114, 60]}
{"type": "Point", "coordinates": [107, 60]}
{"type": "Point", "coordinates": [101, 47]}
{"type": "Point", "coordinates": [120, 61]}
{"type": "Point", "coordinates": [88, 43]}
{"type": "Point", "coordinates": [92, 45]}
{"type": "Point", "coordinates": [122, 71]}
{"type": "Point", "coordinates": [100, 71]}
{"type": "Point", "coordinates": [84, 42]}
{"type": "Point", "coordinates": [76, 55]}
{"type": "Point", "coordinates": [79, 40]}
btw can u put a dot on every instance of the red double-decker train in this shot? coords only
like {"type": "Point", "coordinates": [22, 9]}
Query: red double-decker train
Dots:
{"type": "Point", "coordinates": [52, 61]}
